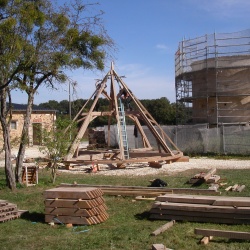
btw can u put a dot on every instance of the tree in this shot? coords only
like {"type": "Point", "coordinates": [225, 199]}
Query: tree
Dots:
{"type": "Point", "coordinates": [55, 144]}
{"type": "Point", "coordinates": [47, 40]}
{"type": "Point", "coordinates": [11, 53]}
{"type": "Point", "coordinates": [161, 109]}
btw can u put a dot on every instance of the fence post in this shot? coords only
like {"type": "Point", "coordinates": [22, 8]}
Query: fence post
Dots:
{"type": "Point", "coordinates": [222, 140]}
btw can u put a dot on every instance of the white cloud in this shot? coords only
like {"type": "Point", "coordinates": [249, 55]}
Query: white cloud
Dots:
{"type": "Point", "coordinates": [161, 46]}
{"type": "Point", "coordinates": [223, 8]}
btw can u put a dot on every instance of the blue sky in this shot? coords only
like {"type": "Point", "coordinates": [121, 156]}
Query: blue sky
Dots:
{"type": "Point", "coordinates": [147, 34]}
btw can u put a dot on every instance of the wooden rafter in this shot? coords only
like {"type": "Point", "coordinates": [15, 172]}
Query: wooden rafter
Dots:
{"type": "Point", "coordinates": [140, 113]}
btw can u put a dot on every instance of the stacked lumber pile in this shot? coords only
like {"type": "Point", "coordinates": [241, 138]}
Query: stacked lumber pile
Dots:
{"type": "Point", "coordinates": [142, 191]}
{"type": "Point", "coordinates": [199, 208]}
{"type": "Point", "coordinates": [75, 205]}
{"type": "Point", "coordinates": [8, 211]}
{"type": "Point", "coordinates": [208, 177]}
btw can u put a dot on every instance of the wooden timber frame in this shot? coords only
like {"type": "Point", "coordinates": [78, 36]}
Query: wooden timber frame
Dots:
{"type": "Point", "coordinates": [145, 154]}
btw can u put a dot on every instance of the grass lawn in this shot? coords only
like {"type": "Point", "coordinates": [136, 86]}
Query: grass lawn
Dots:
{"type": "Point", "coordinates": [128, 226]}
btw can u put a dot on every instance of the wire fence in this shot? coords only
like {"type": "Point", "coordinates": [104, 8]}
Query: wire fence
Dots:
{"type": "Point", "coordinates": [195, 139]}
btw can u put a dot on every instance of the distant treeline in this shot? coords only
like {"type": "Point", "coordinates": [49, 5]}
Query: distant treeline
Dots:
{"type": "Point", "coordinates": [161, 109]}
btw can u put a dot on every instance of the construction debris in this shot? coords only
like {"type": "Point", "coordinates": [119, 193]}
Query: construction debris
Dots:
{"type": "Point", "coordinates": [159, 247]}
{"type": "Point", "coordinates": [75, 205]}
{"type": "Point", "coordinates": [213, 179]}
{"type": "Point", "coordinates": [156, 164]}
{"type": "Point", "coordinates": [228, 210]}
{"type": "Point", "coordinates": [203, 177]}
{"type": "Point", "coordinates": [235, 188]}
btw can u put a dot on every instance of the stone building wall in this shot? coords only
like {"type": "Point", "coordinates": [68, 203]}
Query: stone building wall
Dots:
{"type": "Point", "coordinates": [39, 120]}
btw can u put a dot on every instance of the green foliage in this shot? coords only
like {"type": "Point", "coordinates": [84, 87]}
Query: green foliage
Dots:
{"type": "Point", "coordinates": [56, 143]}
{"type": "Point", "coordinates": [3, 3]}
{"type": "Point", "coordinates": [161, 110]}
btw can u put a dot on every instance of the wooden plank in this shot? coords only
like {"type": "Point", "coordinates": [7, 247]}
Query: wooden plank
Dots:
{"type": "Point", "coordinates": [213, 179]}
{"type": "Point", "coordinates": [200, 214]}
{"type": "Point", "coordinates": [199, 219]}
{"type": "Point", "coordinates": [209, 174]}
{"type": "Point", "coordinates": [228, 188]}
{"type": "Point", "coordinates": [211, 200]}
{"type": "Point", "coordinates": [76, 220]}
{"type": "Point", "coordinates": [3, 203]}
{"type": "Point", "coordinates": [85, 193]}
{"type": "Point", "coordinates": [201, 208]}
{"type": "Point", "coordinates": [240, 188]}
{"type": "Point", "coordinates": [74, 211]}
{"type": "Point", "coordinates": [143, 198]}
{"type": "Point", "coordinates": [222, 233]}
{"type": "Point", "coordinates": [163, 228]}
{"type": "Point", "coordinates": [158, 247]}
{"type": "Point", "coordinates": [74, 203]}
{"type": "Point", "coordinates": [106, 188]}
{"type": "Point", "coordinates": [234, 187]}
{"type": "Point", "coordinates": [205, 240]}
{"type": "Point", "coordinates": [9, 217]}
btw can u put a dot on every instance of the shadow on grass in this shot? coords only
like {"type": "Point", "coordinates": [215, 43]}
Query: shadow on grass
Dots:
{"type": "Point", "coordinates": [143, 216]}
{"type": "Point", "coordinates": [33, 217]}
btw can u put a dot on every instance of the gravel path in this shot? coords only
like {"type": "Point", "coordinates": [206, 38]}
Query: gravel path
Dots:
{"type": "Point", "coordinates": [140, 169]}
{"type": "Point", "coordinates": [143, 169]}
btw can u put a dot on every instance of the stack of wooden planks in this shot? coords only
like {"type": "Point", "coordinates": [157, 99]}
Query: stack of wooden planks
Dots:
{"type": "Point", "coordinates": [142, 191]}
{"type": "Point", "coordinates": [199, 208]}
{"type": "Point", "coordinates": [8, 211]}
{"type": "Point", "coordinates": [75, 205]}
{"type": "Point", "coordinates": [208, 177]}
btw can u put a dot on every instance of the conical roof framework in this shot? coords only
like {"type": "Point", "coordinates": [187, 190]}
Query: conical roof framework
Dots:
{"type": "Point", "coordinates": [167, 150]}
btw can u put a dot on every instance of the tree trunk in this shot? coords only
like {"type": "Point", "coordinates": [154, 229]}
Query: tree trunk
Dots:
{"type": "Point", "coordinates": [24, 138]}
{"type": "Point", "coordinates": [9, 172]}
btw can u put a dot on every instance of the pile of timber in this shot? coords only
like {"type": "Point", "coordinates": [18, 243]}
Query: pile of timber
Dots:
{"type": "Point", "coordinates": [142, 191]}
{"type": "Point", "coordinates": [75, 205]}
{"type": "Point", "coordinates": [198, 208]}
{"type": "Point", "coordinates": [208, 177]}
{"type": "Point", "coordinates": [8, 211]}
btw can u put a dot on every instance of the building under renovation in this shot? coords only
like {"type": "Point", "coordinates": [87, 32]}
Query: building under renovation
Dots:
{"type": "Point", "coordinates": [212, 79]}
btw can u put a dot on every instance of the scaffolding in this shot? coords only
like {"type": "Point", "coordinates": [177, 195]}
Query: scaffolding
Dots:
{"type": "Point", "coordinates": [212, 79]}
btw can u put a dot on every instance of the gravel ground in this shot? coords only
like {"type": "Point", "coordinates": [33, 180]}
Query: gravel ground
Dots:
{"type": "Point", "coordinates": [143, 168]}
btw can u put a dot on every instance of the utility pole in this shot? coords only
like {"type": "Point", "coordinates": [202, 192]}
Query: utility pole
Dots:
{"type": "Point", "coordinates": [69, 103]}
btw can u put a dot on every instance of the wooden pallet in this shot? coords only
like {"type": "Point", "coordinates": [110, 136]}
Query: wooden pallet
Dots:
{"type": "Point", "coordinates": [8, 211]}
{"type": "Point", "coordinates": [75, 205]}
{"type": "Point", "coordinates": [30, 175]}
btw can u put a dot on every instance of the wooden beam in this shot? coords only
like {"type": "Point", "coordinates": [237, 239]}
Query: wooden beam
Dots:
{"type": "Point", "coordinates": [117, 189]}
{"type": "Point", "coordinates": [198, 219]}
{"type": "Point", "coordinates": [163, 228]}
{"type": "Point", "coordinates": [211, 200]}
{"type": "Point", "coordinates": [221, 233]}
{"type": "Point", "coordinates": [73, 147]}
{"type": "Point", "coordinates": [121, 146]}
{"type": "Point", "coordinates": [144, 116]}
